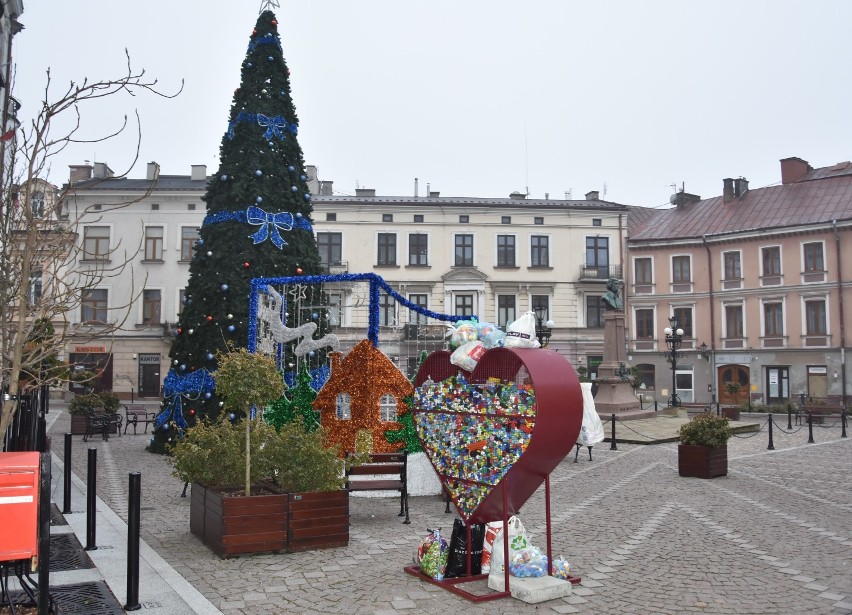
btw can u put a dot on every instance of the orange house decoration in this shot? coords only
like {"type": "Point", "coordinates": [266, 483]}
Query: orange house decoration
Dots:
{"type": "Point", "coordinates": [363, 386]}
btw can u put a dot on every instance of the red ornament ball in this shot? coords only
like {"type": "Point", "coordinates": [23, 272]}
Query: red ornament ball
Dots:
{"type": "Point", "coordinates": [246, 265]}
{"type": "Point", "coordinates": [192, 412]}
{"type": "Point", "coordinates": [274, 22]}
{"type": "Point", "coordinates": [180, 330]}
{"type": "Point", "coordinates": [209, 319]}
{"type": "Point", "coordinates": [299, 270]}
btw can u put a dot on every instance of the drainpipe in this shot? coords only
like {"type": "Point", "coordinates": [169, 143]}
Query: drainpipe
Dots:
{"type": "Point", "coordinates": [712, 317]}
{"type": "Point", "coordinates": [840, 306]}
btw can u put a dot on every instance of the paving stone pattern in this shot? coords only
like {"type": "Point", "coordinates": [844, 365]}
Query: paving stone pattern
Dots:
{"type": "Point", "coordinates": [774, 536]}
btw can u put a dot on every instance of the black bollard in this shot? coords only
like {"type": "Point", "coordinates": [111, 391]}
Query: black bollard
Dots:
{"type": "Point", "coordinates": [66, 476]}
{"type": "Point", "coordinates": [810, 429]}
{"type": "Point", "coordinates": [843, 423]}
{"type": "Point", "coordinates": [771, 446]}
{"type": "Point", "coordinates": [789, 418]}
{"type": "Point", "coordinates": [612, 445]}
{"type": "Point", "coordinates": [91, 499]}
{"type": "Point", "coordinates": [656, 407]}
{"type": "Point", "coordinates": [133, 543]}
{"type": "Point", "coordinates": [44, 536]}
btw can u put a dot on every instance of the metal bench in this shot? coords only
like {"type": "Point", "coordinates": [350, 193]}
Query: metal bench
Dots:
{"type": "Point", "coordinates": [103, 423]}
{"type": "Point", "coordinates": [137, 415]}
{"type": "Point", "coordinates": [393, 470]}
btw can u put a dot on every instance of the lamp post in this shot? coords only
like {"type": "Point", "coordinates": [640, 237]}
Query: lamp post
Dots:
{"type": "Point", "coordinates": [674, 338]}
{"type": "Point", "coordinates": [543, 330]}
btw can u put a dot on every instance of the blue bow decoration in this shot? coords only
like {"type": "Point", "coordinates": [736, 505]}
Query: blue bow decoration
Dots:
{"type": "Point", "coordinates": [175, 387]}
{"type": "Point", "coordinates": [269, 224]}
{"type": "Point", "coordinates": [274, 126]}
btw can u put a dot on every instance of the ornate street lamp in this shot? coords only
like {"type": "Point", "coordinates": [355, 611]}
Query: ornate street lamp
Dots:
{"type": "Point", "coordinates": [674, 338]}
{"type": "Point", "coordinates": [543, 329]}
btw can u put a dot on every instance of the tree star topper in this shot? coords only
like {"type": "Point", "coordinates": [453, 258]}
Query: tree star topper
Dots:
{"type": "Point", "coordinates": [268, 5]}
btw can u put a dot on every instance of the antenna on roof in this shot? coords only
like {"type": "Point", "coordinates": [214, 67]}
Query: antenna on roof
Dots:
{"type": "Point", "coordinates": [526, 162]}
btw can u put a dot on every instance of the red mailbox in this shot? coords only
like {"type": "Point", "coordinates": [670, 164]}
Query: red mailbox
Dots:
{"type": "Point", "coordinates": [19, 486]}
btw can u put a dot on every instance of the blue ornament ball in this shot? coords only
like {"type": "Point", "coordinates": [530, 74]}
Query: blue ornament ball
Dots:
{"type": "Point", "coordinates": [249, 65]}
{"type": "Point", "coordinates": [259, 199]}
{"type": "Point", "coordinates": [298, 214]}
{"type": "Point", "coordinates": [302, 177]}
{"type": "Point", "coordinates": [166, 427]}
{"type": "Point", "coordinates": [200, 242]}
{"type": "Point", "coordinates": [293, 189]}
{"type": "Point", "coordinates": [307, 196]}
{"type": "Point", "coordinates": [270, 58]}
{"type": "Point", "coordinates": [291, 168]}
{"type": "Point", "coordinates": [312, 353]}
{"type": "Point", "coordinates": [208, 395]}
{"type": "Point", "coordinates": [232, 416]}
{"type": "Point", "coordinates": [182, 367]}
{"type": "Point", "coordinates": [314, 315]}
{"type": "Point", "coordinates": [223, 178]}
{"type": "Point", "coordinates": [231, 328]}
{"type": "Point", "coordinates": [209, 356]}
{"type": "Point", "coordinates": [258, 172]}
{"type": "Point", "coordinates": [224, 287]}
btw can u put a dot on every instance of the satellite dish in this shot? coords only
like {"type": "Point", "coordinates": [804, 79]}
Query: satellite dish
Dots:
{"type": "Point", "coordinates": [673, 198]}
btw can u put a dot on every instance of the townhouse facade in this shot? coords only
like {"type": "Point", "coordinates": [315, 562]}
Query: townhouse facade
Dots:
{"type": "Point", "coordinates": [760, 282]}
{"type": "Point", "coordinates": [494, 258]}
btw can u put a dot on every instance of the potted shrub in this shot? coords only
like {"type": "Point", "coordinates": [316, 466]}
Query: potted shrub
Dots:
{"type": "Point", "coordinates": [703, 449]}
{"type": "Point", "coordinates": [88, 404]}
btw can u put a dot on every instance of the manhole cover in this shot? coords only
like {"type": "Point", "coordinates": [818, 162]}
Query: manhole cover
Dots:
{"type": "Point", "coordinates": [56, 517]}
{"type": "Point", "coordinates": [82, 599]}
{"type": "Point", "coordinates": [66, 553]}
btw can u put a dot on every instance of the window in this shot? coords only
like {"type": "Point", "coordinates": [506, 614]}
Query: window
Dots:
{"type": "Point", "coordinates": [464, 251]}
{"type": "Point", "coordinates": [597, 255]}
{"type": "Point", "coordinates": [684, 320]}
{"type": "Point", "coordinates": [538, 220]}
{"type": "Point", "coordinates": [34, 288]}
{"type": "Point", "coordinates": [645, 375]}
{"type": "Point", "coordinates": [155, 207]}
{"type": "Point", "coordinates": [813, 257]}
{"type": "Point", "coordinates": [190, 206]}
{"type": "Point", "coordinates": [331, 217]}
{"type": "Point", "coordinates": [540, 304]}
{"type": "Point", "coordinates": [464, 219]}
{"type": "Point", "coordinates": [330, 247]}
{"type": "Point", "coordinates": [94, 305]}
{"type": "Point", "coordinates": [181, 301]}
{"type": "Point", "coordinates": [681, 270]}
{"type": "Point", "coordinates": [594, 312]}
{"type": "Point", "coordinates": [153, 243]}
{"type": "Point", "coordinates": [642, 271]}
{"type": "Point", "coordinates": [335, 313]}
{"type": "Point", "coordinates": [418, 249]}
{"type": "Point", "coordinates": [344, 407]}
{"type": "Point", "coordinates": [734, 321]}
{"type": "Point", "coordinates": [773, 319]}
{"type": "Point", "coordinates": [151, 307]}
{"type": "Point", "coordinates": [597, 222]}
{"type": "Point", "coordinates": [645, 324]}
{"type": "Point", "coordinates": [771, 261]}
{"type": "Point", "coordinates": [387, 249]}
{"type": "Point", "coordinates": [733, 269]}
{"type": "Point", "coordinates": [506, 220]}
{"type": "Point", "coordinates": [420, 300]}
{"type": "Point", "coordinates": [539, 251]}
{"type": "Point", "coordinates": [37, 204]}
{"type": "Point", "coordinates": [505, 250]}
{"type": "Point", "coordinates": [815, 315]}
{"type": "Point", "coordinates": [387, 217]}
{"type": "Point", "coordinates": [505, 310]}
{"type": "Point", "coordinates": [188, 238]}
{"type": "Point", "coordinates": [95, 242]}
{"type": "Point", "coordinates": [387, 406]}
{"type": "Point", "coordinates": [387, 310]}
{"type": "Point", "coordinates": [464, 305]}
{"type": "Point", "coordinates": [418, 217]}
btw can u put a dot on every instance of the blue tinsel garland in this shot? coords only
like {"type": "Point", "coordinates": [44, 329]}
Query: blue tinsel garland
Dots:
{"type": "Point", "coordinates": [175, 387]}
{"type": "Point", "coordinates": [266, 39]}
{"type": "Point", "coordinates": [275, 126]}
{"type": "Point", "coordinates": [270, 223]}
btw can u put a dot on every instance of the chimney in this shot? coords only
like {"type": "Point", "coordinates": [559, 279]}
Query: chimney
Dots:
{"type": "Point", "coordinates": [517, 196]}
{"type": "Point", "coordinates": [740, 187]}
{"type": "Point", "coordinates": [684, 198]}
{"type": "Point", "coordinates": [793, 169]}
{"type": "Point", "coordinates": [80, 172]}
{"type": "Point", "coordinates": [728, 188]}
{"type": "Point", "coordinates": [153, 171]}
{"type": "Point", "coordinates": [199, 172]}
{"type": "Point", "coordinates": [325, 188]}
{"type": "Point", "coordinates": [102, 170]}
{"type": "Point", "coordinates": [592, 195]}
{"type": "Point", "coordinates": [434, 194]}
{"type": "Point", "coordinates": [365, 192]}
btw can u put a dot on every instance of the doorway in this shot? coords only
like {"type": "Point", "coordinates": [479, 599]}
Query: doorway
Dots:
{"type": "Point", "coordinates": [777, 385]}
{"type": "Point", "coordinates": [733, 384]}
{"type": "Point", "coordinates": [817, 381]}
{"type": "Point", "coordinates": [149, 375]}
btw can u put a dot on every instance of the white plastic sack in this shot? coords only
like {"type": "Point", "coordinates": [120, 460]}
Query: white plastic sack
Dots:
{"type": "Point", "coordinates": [468, 354]}
{"type": "Point", "coordinates": [518, 541]}
{"type": "Point", "coordinates": [521, 333]}
{"type": "Point", "coordinates": [592, 430]}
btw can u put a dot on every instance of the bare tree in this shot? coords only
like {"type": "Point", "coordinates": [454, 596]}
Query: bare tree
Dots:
{"type": "Point", "coordinates": [46, 270]}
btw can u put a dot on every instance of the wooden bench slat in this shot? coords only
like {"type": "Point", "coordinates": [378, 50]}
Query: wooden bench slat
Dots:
{"type": "Point", "coordinates": [375, 485]}
{"type": "Point", "coordinates": [377, 469]}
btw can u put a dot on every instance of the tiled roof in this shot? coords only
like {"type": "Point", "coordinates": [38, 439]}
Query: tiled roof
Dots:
{"type": "Point", "coordinates": [638, 216]}
{"type": "Point", "coordinates": [821, 196]}
{"type": "Point", "coordinates": [165, 182]}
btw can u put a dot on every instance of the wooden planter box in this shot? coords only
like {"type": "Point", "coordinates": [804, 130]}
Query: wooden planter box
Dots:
{"type": "Point", "coordinates": [238, 525]}
{"type": "Point", "coordinates": [702, 461]}
{"type": "Point", "coordinates": [732, 413]}
{"type": "Point", "coordinates": [293, 522]}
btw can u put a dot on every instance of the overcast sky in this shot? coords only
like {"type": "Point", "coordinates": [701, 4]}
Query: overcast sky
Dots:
{"type": "Point", "coordinates": [475, 97]}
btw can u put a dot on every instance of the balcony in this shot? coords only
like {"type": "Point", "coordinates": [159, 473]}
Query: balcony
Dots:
{"type": "Point", "coordinates": [600, 273]}
{"type": "Point", "coordinates": [335, 268]}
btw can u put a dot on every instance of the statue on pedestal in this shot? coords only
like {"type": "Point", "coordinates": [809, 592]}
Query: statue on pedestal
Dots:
{"type": "Point", "coordinates": [612, 297]}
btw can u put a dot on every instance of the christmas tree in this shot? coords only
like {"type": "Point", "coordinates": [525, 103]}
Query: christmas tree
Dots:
{"type": "Point", "coordinates": [258, 224]}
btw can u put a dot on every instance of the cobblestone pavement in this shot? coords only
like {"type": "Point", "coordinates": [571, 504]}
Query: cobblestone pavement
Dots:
{"type": "Point", "coordinates": [774, 536]}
